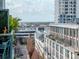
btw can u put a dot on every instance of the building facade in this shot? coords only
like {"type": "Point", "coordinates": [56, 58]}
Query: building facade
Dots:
{"type": "Point", "coordinates": [39, 40]}
{"type": "Point", "coordinates": [67, 11]}
{"type": "Point", "coordinates": [2, 4]}
{"type": "Point", "coordinates": [62, 42]}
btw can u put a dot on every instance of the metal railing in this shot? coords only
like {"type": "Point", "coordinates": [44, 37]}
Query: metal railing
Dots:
{"type": "Point", "coordinates": [60, 40]}
{"type": "Point", "coordinates": [6, 46]}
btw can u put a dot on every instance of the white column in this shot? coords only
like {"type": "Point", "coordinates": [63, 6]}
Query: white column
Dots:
{"type": "Point", "coordinates": [78, 37]}
{"type": "Point", "coordinates": [69, 55]}
{"type": "Point", "coordinates": [73, 56]}
{"type": "Point", "coordinates": [59, 51]}
{"type": "Point", "coordinates": [46, 51]}
{"type": "Point", "coordinates": [51, 50]}
{"type": "Point", "coordinates": [55, 49]}
{"type": "Point", "coordinates": [63, 53]}
{"type": "Point", "coordinates": [47, 48]}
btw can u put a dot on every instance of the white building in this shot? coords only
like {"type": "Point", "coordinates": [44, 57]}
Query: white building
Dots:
{"type": "Point", "coordinates": [39, 40]}
{"type": "Point", "coordinates": [67, 11]}
{"type": "Point", "coordinates": [63, 42]}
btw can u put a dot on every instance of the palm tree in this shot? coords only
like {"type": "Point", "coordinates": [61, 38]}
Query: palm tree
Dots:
{"type": "Point", "coordinates": [13, 23]}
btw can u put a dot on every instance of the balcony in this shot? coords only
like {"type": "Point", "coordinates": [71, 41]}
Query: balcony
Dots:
{"type": "Point", "coordinates": [51, 36]}
{"type": "Point", "coordinates": [68, 41]}
{"type": "Point", "coordinates": [65, 40]}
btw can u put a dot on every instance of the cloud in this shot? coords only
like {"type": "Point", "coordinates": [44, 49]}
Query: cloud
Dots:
{"type": "Point", "coordinates": [34, 10]}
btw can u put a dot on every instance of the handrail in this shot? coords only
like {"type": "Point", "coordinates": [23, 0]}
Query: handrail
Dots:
{"type": "Point", "coordinates": [9, 34]}
{"type": "Point", "coordinates": [7, 44]}
{"type": "Point", "coordinates": [38, 47]}
{"type": "Point", "coordinates": [3, 56]}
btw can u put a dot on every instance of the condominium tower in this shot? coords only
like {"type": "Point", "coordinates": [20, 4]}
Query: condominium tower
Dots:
{"type": "Point", "coordinates": [62, 42]}
{"type": "Point", "coordinates": [67, 11]}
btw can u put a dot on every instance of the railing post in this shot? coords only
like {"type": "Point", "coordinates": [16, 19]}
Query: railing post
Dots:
{"type": "Point", "coordinates": [7, 46]}
{"type": "Point", "coordinates": [11, 45]}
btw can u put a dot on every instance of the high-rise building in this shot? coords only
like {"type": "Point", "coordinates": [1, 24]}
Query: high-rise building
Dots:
{"type": "Point", "coordinates": [67, 11]}
{"type": "Point", "coordinates": [2, 4]}
{"type": "Point", "coordinates": [62, 42]}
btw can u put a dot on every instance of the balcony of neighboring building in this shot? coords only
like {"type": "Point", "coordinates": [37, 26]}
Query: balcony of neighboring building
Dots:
{"type": "Point", "coordinates": [67, 41]}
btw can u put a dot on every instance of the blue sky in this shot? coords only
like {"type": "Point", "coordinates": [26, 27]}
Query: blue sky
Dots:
{"type": "Point", "coordinates": [32, 10]}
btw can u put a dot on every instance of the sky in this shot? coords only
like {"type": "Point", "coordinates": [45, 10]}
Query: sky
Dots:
{"type": "Point", "coordinates": [32, 10]}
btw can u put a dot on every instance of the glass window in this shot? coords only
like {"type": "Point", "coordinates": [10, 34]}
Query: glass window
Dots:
{"type": "Point", "coordinates": [72, 55]}
{"type": "Point", "coordinates": [57, 47]}
{"type": "Point", "coordinates": [61, 57]}
{"type": "Point", "coordinates": [74, 32]}
{"type": "Point", "coordinates": [54, 29]}
{"type": "Point", "coordinates": [70, 12]}
{"type": "Point", "coordinates": [70, 32]}
{"type": "Point", "coordinates": [71, 9]}
{"type": "Point", "coordinates": [61, 30]}
{"type": "Point", "coordinates": [53, 52]}
{"type": "Point", "coordinates": [66, 31]}
{"type": "Point", "coordinates": [61, 50]}
{"type": "Point", "coordinates": [73, 42]}
{"type": "Point", "coordinates": [66, 12]}
{"type": "Point", "coordinates": [53, 57]}
{"type": "Point", "coordinates": [71, 2]}
{"type": "Point", "coordinates": [77, 32]}
{"type": "Point", "coordinates": [74, 16]}
{"type": "Point", "coordinates": [66, 2]}
{"type": "Point", "coordinates": [53, 45]}
{"type": "Point", "coordinates": [57, 29]}
{"type": "Point", "coordinates": [74, 5]}
{"type": "Point", "coordinates": [67, 53]}
{"type": "Point", "coordinates": [77, 43]}
{"type": "Point", "coordinates": [66, 5]}
{"type": "Point", "coordinates": [74, 2]}
{"type": "Point", "coordinates": [74, 12]}
{"type": "Point", "coordinates": [71, 16]}
{"type": "Point", "coordinates": [57, 55]}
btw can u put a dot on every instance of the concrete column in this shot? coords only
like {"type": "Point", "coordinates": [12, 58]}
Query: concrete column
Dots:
{"type": "Point", "coordinates": [78, 37]}
{"type": "Point", "coordinates": [55, 49]}
{"type": "Point", "coordinates": [64, 53]}
{"type": "Point", "coordinates": [69, 55]}
{"type": "Point", "coordinates": [59, 51]}
{"type": "Point", "coordinates": [51, 49]}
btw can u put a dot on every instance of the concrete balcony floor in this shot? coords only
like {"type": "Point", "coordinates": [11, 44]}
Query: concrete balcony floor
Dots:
{"type": "Point", "coordinates": [23, 53]}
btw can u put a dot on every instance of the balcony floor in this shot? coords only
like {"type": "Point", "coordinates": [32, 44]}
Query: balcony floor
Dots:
{"type": "Point", "coordinates": [24, 52]}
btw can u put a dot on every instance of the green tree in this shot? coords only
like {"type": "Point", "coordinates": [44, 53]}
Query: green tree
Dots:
{"type": "Point", "coordinates": [13, 23]}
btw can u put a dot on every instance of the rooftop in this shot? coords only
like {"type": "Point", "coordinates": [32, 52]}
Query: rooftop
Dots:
{"type": "Point", "coordinates": [65, 25]}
